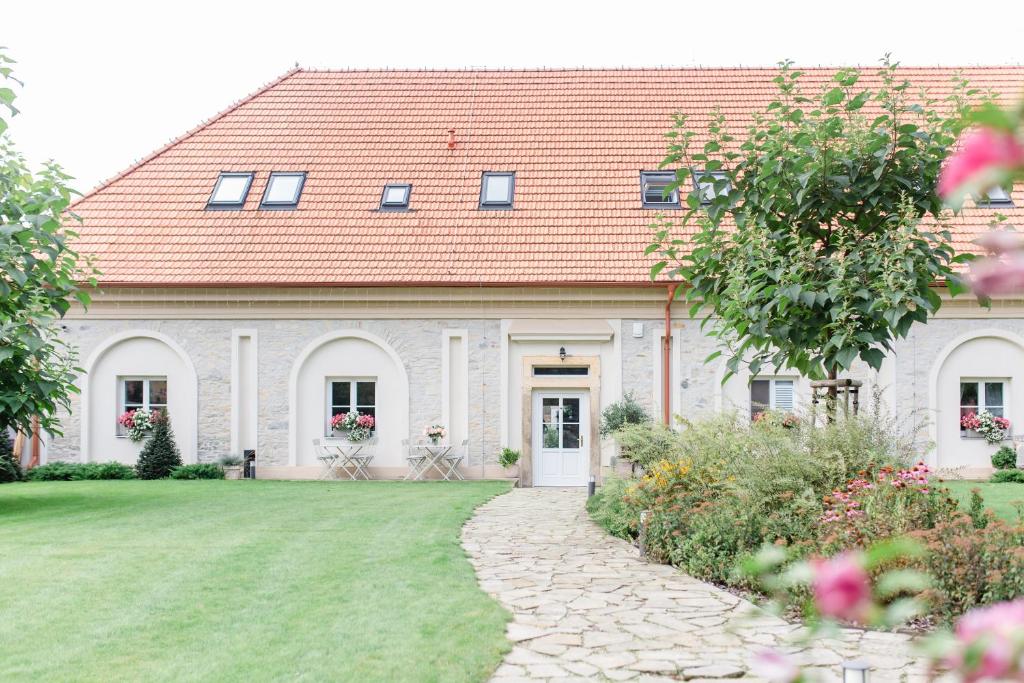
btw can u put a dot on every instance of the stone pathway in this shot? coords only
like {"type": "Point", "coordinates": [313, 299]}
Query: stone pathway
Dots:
{"type": "Point", "coordinates": [587, 608]}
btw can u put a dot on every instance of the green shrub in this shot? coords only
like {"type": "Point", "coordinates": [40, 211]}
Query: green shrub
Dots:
{"type": "Point", "coordinates": [646, 444]}
{"type": "Point", "coordinates": [609, 509]}
{"type": "Point", "coordinates": [621, 413]}
{"type": "Point", "coordinates": [203, 470]}
{"type": "Point", "coordinates": [1005, 458]}
{"type": "Point", "coordinates": [508, 457]}
{"type": "Point", "coordinates": [160, 455]}
{"type": "Point", "coordinates": [76, 471]}
{"type": "Point", "coordinates": [1008, 476]}
{"type": "Point", "coordinates": [10, 468]}
{"type": "Point", "coordinates": [231, 461]}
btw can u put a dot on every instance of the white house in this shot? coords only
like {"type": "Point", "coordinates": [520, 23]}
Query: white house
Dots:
{"type": "Point", "coordinates": [450, 247]}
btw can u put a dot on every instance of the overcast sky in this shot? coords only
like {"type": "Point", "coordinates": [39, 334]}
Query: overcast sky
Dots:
{"type": "Point", "coordinates": [107, 83]}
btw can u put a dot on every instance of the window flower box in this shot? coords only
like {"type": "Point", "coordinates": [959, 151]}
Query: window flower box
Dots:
{"type": "Point", "coordinates": [984, 425]}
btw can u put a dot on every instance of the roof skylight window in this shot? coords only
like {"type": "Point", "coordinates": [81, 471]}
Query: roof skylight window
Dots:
{"type": "Point", "coordinates": [230, 191]}
{"type": "Point", "coordinates": [706, 183]}
{"type": "Point", "coordinates": [395, 197]}
{"type": "Point", "coordinates": [996, 196]}
{"type": "Point", "coordinates": [654, 190]}
{"type": "Point", "coordinates": [283, 190]}
{"type": "Point", "coordinates": [496, 190]}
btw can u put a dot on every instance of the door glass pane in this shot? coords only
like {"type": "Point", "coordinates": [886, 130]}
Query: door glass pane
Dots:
{"type": "Point", "coordinates": [133, 391]}
{"type": "Point", "coordinates": [550, 435]}
{"type": "Point", "coordinates": [993, 395]}
{"type": "Point", "coordinates": [366, 393]}
{"type": "Point", "coordinates": [571, 410]}
{"type": "Point", "coordinates": [969, 393]}
{"type": "Point", "coordinates": [158, 392]}
{"type": "Point", "coordinates": [549, 411]}
{"type": "Point", "coordinates": [571, 435]}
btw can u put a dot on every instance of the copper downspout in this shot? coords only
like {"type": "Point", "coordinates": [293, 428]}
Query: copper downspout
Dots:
{"type": "Point", "coordinates": [666, 362]}
{"type": "Point", "coordinates": [34, 461]}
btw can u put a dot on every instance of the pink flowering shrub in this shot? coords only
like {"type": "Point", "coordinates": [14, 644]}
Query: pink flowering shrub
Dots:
{"type": "Point", "coordinates": [882, 504]}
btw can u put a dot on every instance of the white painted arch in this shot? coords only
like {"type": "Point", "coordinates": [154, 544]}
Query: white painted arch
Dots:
{"type": "Point", "coordinates": [397, 397]}
{"type": "Point", "coordinates": [187, 383]}
{"type": "Point", "coordinates": [1009, 369]}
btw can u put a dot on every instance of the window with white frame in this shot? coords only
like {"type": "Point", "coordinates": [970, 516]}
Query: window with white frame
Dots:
{"type": "Point", "coordinates": [710, 183]}
{"type": "Point", "coordinates": [772, 394]}
{"type": "Point", "coordinates": [346, 395]}
{"type": "Point", "coordinates": [982, 394]}
{"type": "Point", "coordinates": [141, 393]}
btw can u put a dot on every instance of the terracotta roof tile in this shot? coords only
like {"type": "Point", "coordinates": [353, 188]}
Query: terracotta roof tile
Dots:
{"type": "Point", "coordinates": [577, 140]}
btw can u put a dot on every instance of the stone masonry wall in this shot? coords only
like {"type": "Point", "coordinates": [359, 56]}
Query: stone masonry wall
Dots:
{"type": "Point", "coordinates": [208, 344]}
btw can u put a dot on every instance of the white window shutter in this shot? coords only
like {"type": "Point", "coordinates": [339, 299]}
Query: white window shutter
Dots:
{"type": "Point", "coordinates": [783, 394]}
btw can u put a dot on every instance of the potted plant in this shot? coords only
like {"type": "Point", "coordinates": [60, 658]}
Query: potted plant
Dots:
{"type": "Point", "coordinates": [509, 460]}
{"type": "Point", "coordinates": [354, 426]}
{"type": "Point", "coordinates": [232, 465]}
{"type": "Point", "coordinates": [435, 433]}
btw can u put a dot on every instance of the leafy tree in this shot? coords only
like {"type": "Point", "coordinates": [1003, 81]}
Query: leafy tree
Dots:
{"type": "Point", "coordinates": [160, 455]}
{"type": "Point", "coordinates": [809, 253]}
{"type": "Point", "coordinates": [40, 275]}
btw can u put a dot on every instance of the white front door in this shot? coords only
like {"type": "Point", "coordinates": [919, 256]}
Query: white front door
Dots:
{"type": "Point", "coordinates": [560, 429]}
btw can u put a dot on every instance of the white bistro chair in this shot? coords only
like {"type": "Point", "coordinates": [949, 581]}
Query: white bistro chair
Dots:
{"type": "Point", "coordinates": [416, 459]}
{"type": "Point", "coordinates": [454, 457]}
{"type": "Point", "coordinates": [328, 456]}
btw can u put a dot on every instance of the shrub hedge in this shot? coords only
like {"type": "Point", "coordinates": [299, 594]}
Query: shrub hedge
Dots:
{"type": "Point", "coordinates": [78, 471]}
{"type": "Point", "coordinates": [1008, 476]}
{"type": "Point", "coordinates": [203, 470]}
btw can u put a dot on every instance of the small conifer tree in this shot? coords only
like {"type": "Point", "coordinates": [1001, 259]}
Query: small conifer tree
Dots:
{"type": "Point", "coordinates": [160, 455]}
{"type": "Point", "coordinates": [10, 468]}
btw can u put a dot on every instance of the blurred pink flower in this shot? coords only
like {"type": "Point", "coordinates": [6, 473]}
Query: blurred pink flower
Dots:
{"type": "Point", "coordinates": [841, 587]}
{"type": "Point", "coordinates": [775, 667]}
{"type": "Point", "coordinates": [997, 633]}
{"type": "Point", "coordinates": [981, 153]}
{"type": "Point", "coordinates": [991, 276]}
{"type": "Point", "coordinates": [1001, 241]}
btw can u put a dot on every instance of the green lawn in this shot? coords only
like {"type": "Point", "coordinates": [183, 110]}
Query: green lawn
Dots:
{"type": "Point", "coordinates": [998, 497]}
{"type": "Point", "coordinates": [243, 581]}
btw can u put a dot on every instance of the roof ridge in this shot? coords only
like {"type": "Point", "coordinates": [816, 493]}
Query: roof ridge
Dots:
{"type": "Point", "coordinates": [698, 67]}
{"type": "Point", "coordinates": [103, 184]}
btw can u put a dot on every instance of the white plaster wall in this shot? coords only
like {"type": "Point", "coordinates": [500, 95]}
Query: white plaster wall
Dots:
{"type": "Point", "coordinates": [139, 357]}
{"type": "Point", "coordinates": [352, 357]}
{"type": "Point", "coordinates": [982, 357]}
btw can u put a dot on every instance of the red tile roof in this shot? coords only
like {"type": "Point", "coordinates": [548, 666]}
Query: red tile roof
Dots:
{"type": "Point", "coordinates": [577, 140]}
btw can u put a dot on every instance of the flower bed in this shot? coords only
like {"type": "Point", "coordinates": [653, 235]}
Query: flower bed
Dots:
{"type": "Point", "coordinates": [727, 488]}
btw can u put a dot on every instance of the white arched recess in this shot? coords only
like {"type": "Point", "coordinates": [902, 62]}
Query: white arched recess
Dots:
{"type": "Point", "coordinates": [980, 354]}
{"type": "Point", "coordinates": [140, 353]}
{"type": "Point", "coordinates": [347, 354]}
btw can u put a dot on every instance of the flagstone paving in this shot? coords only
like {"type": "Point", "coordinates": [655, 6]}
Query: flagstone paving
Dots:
{"type": "Point", "coordinates": [586, 607]}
